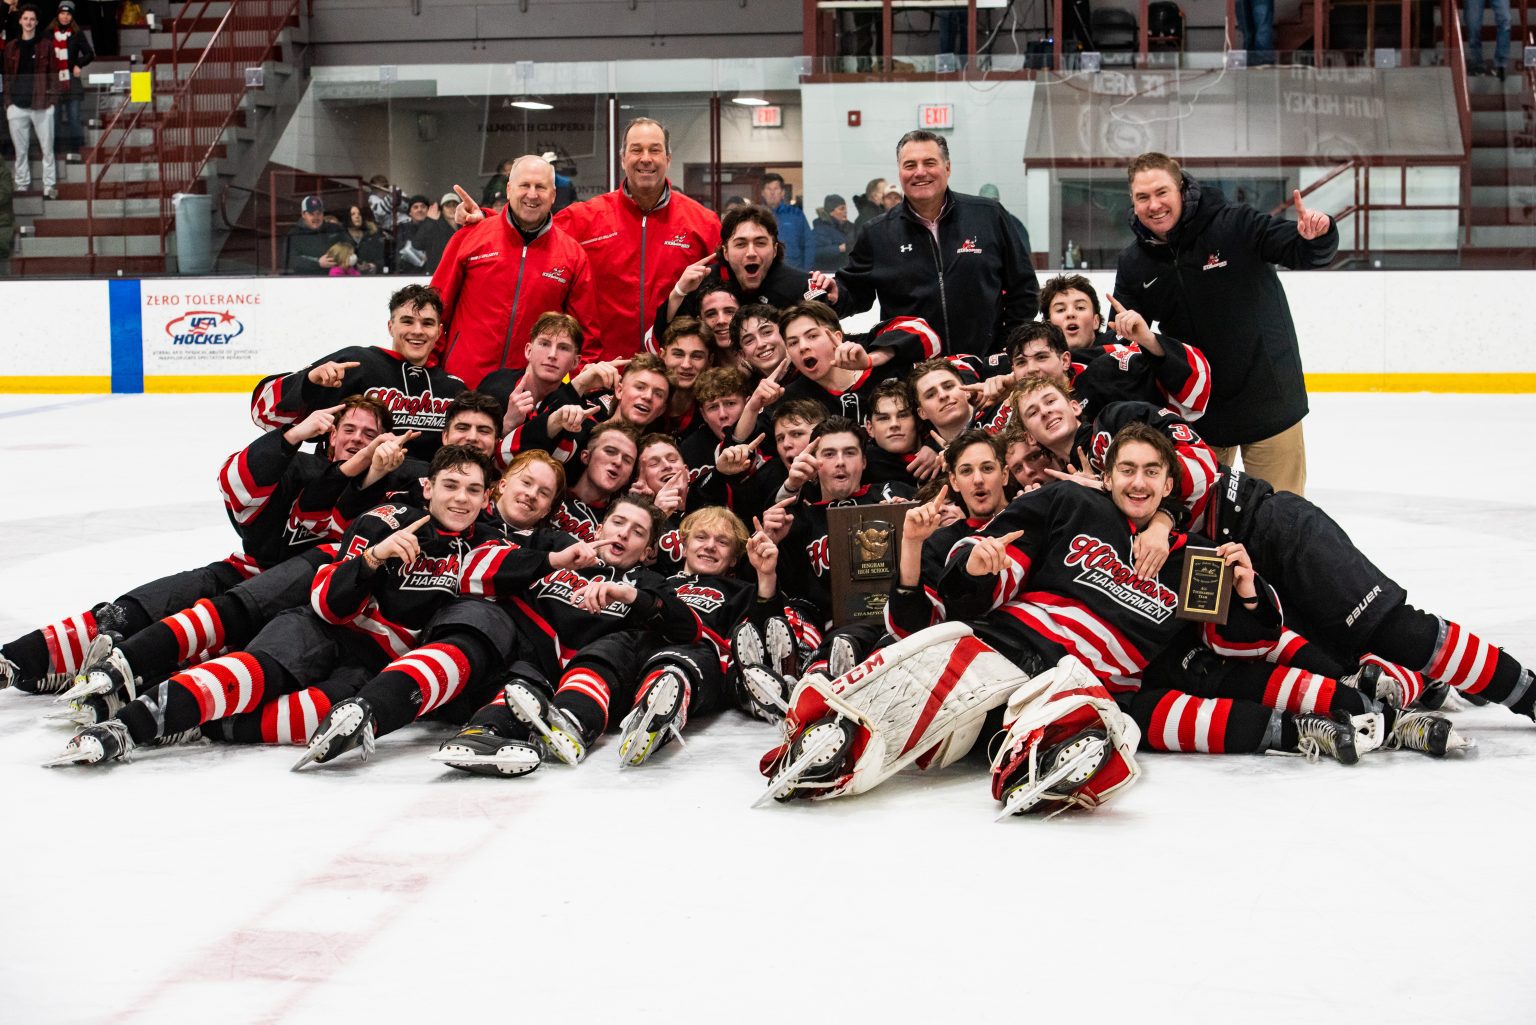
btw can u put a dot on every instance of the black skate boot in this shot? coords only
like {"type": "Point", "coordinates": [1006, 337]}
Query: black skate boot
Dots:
{"type": "Point", "coordinates": [92, 745]}
{"type": "Point", "coordinates": [1333, 735]}
{"type": "Point", "coordinates": [479, 750]}
{"type": "Point", "coordinates": [349, 724]}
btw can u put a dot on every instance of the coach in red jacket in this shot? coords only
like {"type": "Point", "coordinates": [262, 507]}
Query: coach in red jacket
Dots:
{"type": "Point", "coordinates": [499, 275]}
{"type": "Point", "coordinates": [639, 238]}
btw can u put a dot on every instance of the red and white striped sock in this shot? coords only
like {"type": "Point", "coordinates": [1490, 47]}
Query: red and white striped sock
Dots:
{"type": "Point", "coordinates": [67, 641]}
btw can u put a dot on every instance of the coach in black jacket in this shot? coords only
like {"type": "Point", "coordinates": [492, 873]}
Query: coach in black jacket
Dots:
{"type": "Point", "coordinates": [954, 260]}
{"type": "Point", "coordinates": [1203, 267]}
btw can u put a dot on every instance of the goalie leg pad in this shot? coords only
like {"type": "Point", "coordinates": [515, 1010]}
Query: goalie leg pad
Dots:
{"type": "Point", "coordinates": [1049, 720]}
{"type": "Point", "coordinates": [901, 703]}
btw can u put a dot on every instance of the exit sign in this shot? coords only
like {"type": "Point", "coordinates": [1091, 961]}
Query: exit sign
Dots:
{"type": "Point", "coordinates": [935, 116]}
{"type": "Point", "coordinates": [767, 117]}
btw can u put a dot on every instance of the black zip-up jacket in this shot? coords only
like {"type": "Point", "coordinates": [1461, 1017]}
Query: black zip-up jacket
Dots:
{"type": "Point", "coordinates": [974, 285]}
{"type": "Point", "coordinates": [1213, 285]}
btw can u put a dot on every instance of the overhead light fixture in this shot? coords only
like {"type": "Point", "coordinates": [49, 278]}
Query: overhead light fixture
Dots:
{"type": "Point", "coordinates": [750, 101]}
{"type": "Point", "coordinates": [528, 103]}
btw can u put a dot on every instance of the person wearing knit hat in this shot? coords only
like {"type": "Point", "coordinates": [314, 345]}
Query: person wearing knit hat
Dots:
{"type": "Point", "coordinates": [833, 234]}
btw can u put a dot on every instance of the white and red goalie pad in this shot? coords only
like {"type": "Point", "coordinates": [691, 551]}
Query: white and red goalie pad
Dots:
{"type": "Point", "coordinates": [922, 699]}
{"type": "Point", "coordinates": [1056, 706]}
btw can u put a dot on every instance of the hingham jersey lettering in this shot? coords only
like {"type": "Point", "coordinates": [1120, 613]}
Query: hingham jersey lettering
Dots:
{"type": "Point", "coordinates": [431, 573]}
{"type": "Point", "coordinates": [704, 599]}
{"type": "Point", "coordinates": [1103, 569]}
{"type": "Point", "coordinates": [412, 412]}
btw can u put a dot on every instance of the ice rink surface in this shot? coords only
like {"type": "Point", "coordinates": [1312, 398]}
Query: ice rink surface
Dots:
{"type": "Point", "coordinates": [210, 884]}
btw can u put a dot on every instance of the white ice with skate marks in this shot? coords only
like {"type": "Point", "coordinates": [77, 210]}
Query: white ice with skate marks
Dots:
{"type": "Point", "coordinates": [210, 883]}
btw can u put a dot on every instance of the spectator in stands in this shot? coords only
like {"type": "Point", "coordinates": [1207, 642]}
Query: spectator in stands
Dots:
{"type": "Point", "coordinates": [833, 233]}
{"type": "Point", "coordinates": [72, 51]}
{"type": "Point", "coordinates": [102, 17]}
{"type": "Point", "coordinates": [1474, 37]}
{"type": "Point", "coordinates": [731, 203]}
{"type": "Point", "coordinates": [306, 247]}
{"type": "Point", "coordinates": [892, 199]}
{"type": "Point", "coordinates": [794, 229]}
{"type": "Point", "coordinates": [367, 241]}
{"type": "Point", "coordinates": [384, 202]}
{"type": "Point", "coordinates": [495, 191]}
{"type": "Point", "coordinates": [448, 206]}
{"type": "Point", "coordinates": [1204, 268]}
{"type": "Point", "coordinates": [1256, 21]}
{"type": "Point", "coordinates": [31, 86]}
{"type": "Point", "coordinates": [11, 27]}
{"type": "Point", "coordinates": [422, 239]}
{"type": "Point", "coordinates": [872, 203]}
{"type": "Point", "coordinates": [565, 188]}
{"type": "Point", "coordinates": [343, 260]}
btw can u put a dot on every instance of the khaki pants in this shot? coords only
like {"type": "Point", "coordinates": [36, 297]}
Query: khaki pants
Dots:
{"type": "Point", "coordinates": [1281, 460]}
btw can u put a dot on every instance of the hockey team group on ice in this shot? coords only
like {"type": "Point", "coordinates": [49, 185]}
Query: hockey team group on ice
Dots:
{"type": "Point", "coordinates": [585, 486]}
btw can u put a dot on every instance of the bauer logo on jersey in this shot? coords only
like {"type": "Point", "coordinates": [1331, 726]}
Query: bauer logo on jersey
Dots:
{"type": "Point", "coordinates": [431, 573]}
{"type": "Point", "coordinates": [205, 327]}
{"type": "Point", "coordinates": [1103, 569]}
{"type": "Point", "coordinates": [704, 599]}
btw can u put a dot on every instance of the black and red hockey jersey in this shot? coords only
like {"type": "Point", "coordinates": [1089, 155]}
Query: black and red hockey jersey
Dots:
{"type": "Point", "coordinates": [416, 397]}
{"type": "Point", "coordinates": [909, 610]}
{"type": "Point", "coordinates": [1198, 468]}
{"type": "Point", "coordinates": [391, 605]}
{"type": "Point", "coordinates": [577, 518]}
{"type": "Point", "coordinates": [265, 487]}
{"type": "Point", "coordinates": [544, 602]}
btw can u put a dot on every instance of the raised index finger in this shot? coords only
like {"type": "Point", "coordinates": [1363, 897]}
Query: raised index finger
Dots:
{"type": "Point", "coordinates": [348, 366]}
{"type": "Point", "coordinates": [1301, 210]}
{"type": "Point", "coordinates": [941, 498]}
{"type": "Point", "coordinates": [1115, 303]}
{"type": "Point", "coordinates": [1010, 537]}
{"type": "Point", "coordinates": [413, 528]}
{"type": "Point", "coordinates": [756, 441]}
{"type": "Point", "coordinates": [780, 370]}
{"type": "Point", "coordinates": [463, 196]}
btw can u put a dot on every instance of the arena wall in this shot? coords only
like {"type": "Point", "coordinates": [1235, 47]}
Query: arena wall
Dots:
{"type": "Point", "coordinates": [1434, 331]}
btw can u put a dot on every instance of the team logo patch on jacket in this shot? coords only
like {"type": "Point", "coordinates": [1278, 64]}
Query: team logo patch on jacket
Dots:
{"type": "Point", "coordinates": [969, 246]}
{"type": "Point", "coordinates": [1214, 261]}
{"type": "Point", "coordinates": [679, 241]}
{"type": "Point", "coordinates": [561, 274]}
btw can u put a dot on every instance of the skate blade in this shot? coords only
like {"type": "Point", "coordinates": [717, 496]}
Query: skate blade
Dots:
{"type": "Point", "coordinates": [317, 746]}
{"type": "Point", "coordinates": [559, 744]}
{"type": "Point", "coordinates": [1025, 798]}
{"type": "Point", "coordinates": [75, 715]}
{"type": "Point", "coordinates": [520, 762]}
{"type": "Point", "coordinates": [84, 688]}
{"type": "Point", "coordinates": [71, 757]}
{"type": "Point", "coordinates": [765, 698]}
{"type": "Point", "coordinates": [783, 783]}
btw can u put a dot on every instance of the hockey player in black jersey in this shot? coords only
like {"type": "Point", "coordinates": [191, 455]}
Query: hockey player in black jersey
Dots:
{"type": "Point", "coordinates": [679, 681]}
{"type": "Point", "coordinates": [468, 642]}
{"type": "Point", "coordinates": [398, 565]}
{"type": "Point", "coordinates": [747, 476]}
{"type": "Point", "coordinates": [404, 377]}
{"type": "Point", "coordinates": [663, 477]}
{"type": "Point", "coordinates": [842, 374]}
{"type": "Point", "coordinates": [896, 452]}
{"type": "Point", "coordinates": [262, 485]}
{"type": "Point", "coordinates": [639, 400]}
{"type": "Point", "coordinates": [606, 465]}
{"type": "Point", "coordinates": [566, 603]}
{"type": "Point", "coordinates": [798, 526]}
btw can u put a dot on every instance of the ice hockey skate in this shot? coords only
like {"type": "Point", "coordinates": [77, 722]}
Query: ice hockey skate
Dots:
{"type": "Point", "coordinates": [766, 692]}
{"type": "Point", "coordinates": [348, 725]}
{"type": "Point", "coordinates": [1427, 732]}
{"type": "Point", "coordinates": [559, 734]}
{"type": "Point", "coordinates": [782, 648]}
{"type": "Point", "coordinates": [841, 656]}
{"type": "Point", "coordinates": [478, 750]}
{"type": "Point", "coordinates": [657, 718]}
{"type": "Point", "coordinates": [1067, 744]}
{"type": "Point", "coordinates": [1333, 735]}
{"type": "Point", "coordinates": [1057, 772]}
{"type": "Point", "coordinates": [817, 758]}
{"type": "Point", "coordinates": [88, 710]}
{"type": "Point", "coordinates": [92, 745]}
{"type": "Point", "coordinates": [107, 672]}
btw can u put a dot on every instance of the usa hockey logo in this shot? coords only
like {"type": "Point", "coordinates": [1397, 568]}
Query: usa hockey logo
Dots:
{"type": "Point", "coordinates": [205, 327]}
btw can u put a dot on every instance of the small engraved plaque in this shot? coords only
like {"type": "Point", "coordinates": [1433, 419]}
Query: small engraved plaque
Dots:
{"type": "Point", "coordinates": [1205, 587]}
{"type": "Point", "coordinates": [864, 543]}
